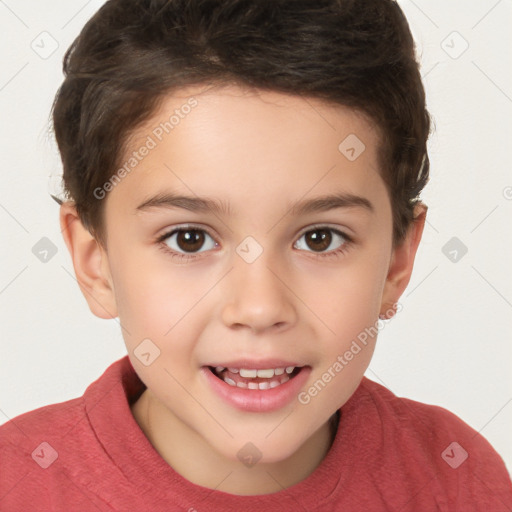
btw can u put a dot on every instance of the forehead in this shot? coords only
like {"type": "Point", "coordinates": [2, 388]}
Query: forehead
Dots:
{"type": "Point", "coordinates": [243, 106]}
{"type": "Point", "coordinates": [205, 115]}
{"type": "Point", "coordinates": [230, 143]}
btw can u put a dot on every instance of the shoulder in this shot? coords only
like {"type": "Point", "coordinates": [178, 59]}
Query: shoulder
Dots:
{"type": "Point", "coordinates": [417, 418]}
{"type": "Point", "coordinates": [28, 444]}
{"type": "Point", "coordinates": [402, 410]}
{"type": "Point", "coordinates": [42, 422]}
{"type": "Point", "coordinates": [39, 422]}
{"type": "Point", "coordinates": [51, 452]}
{"type": "Point", "coordinates": [426, 424]}
{"type": "Point", "coordinates": [462, 463]}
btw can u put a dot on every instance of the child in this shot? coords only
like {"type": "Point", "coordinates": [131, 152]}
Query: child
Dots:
{"type": "Point", "coordinates": [243, 182]}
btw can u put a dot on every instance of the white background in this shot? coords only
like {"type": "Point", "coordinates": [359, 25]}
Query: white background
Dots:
{"type": "Point", "coordinates": [451, 344]}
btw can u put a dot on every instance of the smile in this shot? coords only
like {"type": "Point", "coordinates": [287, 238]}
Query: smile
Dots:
{"type": "Point", "coordinates": [267, 378]}
{"type": "Point", "coordinates": [261, 389]}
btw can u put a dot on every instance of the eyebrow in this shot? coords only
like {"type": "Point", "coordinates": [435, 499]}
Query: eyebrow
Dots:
{"type": "Point", "coordinates": [207, 205]}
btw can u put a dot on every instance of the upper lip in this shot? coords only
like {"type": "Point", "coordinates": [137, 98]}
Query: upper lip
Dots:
{"type": "Point", "coordinates": [257, 365]}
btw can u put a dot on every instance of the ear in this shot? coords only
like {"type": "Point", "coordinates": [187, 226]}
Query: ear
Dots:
{"type": "Point", "coordinates": [90, 263]}
{"type": "Point", "coordinates": [402, 261]}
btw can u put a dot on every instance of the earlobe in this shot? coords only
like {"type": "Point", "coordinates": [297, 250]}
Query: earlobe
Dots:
{"type": "Point", "coordinates": [90, 264]}
{"type": "Point", "coordinates": [402, 262]}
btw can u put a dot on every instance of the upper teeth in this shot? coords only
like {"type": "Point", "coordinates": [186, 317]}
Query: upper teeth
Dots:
{"type": "Point", "coordinates": [267, 373]}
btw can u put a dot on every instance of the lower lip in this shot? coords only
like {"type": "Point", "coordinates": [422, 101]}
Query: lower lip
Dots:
{"type": "Point", "coordinates": [258, 400]}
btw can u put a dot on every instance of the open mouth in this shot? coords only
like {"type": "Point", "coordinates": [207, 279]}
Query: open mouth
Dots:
{"type": "Point", "coordinates": [255, 379]}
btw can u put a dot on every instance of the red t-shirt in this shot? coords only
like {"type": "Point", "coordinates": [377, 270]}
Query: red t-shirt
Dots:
{"type": "Point", "coordinates": [389, 453]}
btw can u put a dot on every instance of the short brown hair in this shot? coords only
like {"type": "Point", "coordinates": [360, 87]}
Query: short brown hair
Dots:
{"type": "Point", "coordinates": [132, 53]}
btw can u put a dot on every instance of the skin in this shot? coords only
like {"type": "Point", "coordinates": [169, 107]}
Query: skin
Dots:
{"type": "Point", "coordinates": [261, 152]}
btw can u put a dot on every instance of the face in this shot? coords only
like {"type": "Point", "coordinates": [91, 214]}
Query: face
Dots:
{"type": "Point", "coordinates": [271, 278]}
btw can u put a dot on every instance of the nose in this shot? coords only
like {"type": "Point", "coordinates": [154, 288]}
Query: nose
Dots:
{"type": "Point", "coordinates": [258, 296]}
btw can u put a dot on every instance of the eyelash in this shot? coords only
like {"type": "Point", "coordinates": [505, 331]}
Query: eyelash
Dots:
{"type": "Point", "coordinates": [182, 256]}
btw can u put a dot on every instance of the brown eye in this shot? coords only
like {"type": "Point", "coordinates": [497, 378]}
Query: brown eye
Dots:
{"type": "Point", "coordinates": [319, 239]}
{"type": "Point", "coordinates": [187, 240]}
{"type": "Point", "coordinates": [190, 240]}
{"type": "Point", "coordinates": [322, 238]}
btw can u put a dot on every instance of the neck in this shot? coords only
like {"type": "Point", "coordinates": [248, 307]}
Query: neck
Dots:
{"type": "Point", "coordinates": [194, 459]}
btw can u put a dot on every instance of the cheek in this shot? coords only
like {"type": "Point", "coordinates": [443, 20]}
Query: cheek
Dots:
{"type": "Point", "coordinates": [157, 301]}
{"type": "Point", "coordinates": [348, 298]}
{"type": "Point", "coordinates": [139, 291]}
{"type": "Point", "coordinates": [350, 309]}
{"type": "Point", "coordinates": [349, 306]}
